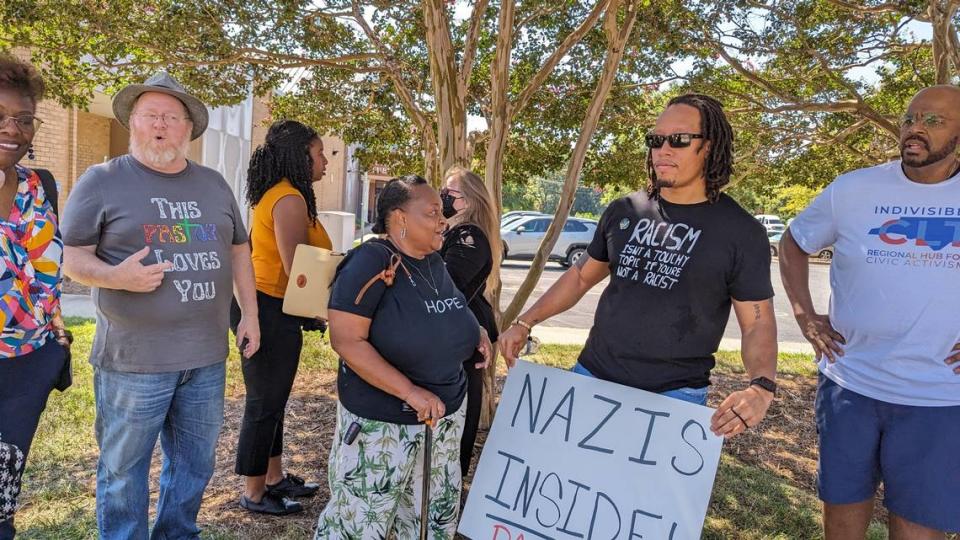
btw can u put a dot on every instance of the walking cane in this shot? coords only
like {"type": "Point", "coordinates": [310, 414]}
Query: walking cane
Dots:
{"type": "Point", "coordinates": [425, 498]}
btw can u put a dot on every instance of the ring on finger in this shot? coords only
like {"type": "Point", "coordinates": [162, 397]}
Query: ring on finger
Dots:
{"type": "Point", "coordinates": [745, 424]}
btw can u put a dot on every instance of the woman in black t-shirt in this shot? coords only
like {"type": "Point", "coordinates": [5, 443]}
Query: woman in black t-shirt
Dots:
{"type": "Point", "coordinates": [403, 331]}
{"type": "Point", "coordinates": [470, 246]}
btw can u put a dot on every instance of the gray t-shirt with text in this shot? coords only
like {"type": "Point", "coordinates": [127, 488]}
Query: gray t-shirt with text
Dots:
{"type": "Point", "coordinates": [190, 219]}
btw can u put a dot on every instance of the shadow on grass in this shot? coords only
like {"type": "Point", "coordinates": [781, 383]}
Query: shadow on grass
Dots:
{"type": "Point", "coordinates": [749, 502]}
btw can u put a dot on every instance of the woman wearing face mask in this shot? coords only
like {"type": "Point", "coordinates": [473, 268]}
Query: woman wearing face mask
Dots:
{"type": "Point", "coordinates": [470, 246]}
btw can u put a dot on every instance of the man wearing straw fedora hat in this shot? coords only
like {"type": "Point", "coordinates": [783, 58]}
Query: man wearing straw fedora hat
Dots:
{"type": "Point", "coordinates": [161, 241]}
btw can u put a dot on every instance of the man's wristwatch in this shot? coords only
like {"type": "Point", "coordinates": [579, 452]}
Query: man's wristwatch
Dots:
{"type": "Point", "coordinates": [765, 383]}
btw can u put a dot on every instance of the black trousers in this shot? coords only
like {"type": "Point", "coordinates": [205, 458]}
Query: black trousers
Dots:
{"type": "Point", "coordinates": [474, 405]}
{"type": "Point", "coordinates": [268, 377]}
{"type": "Point", "coordinates": [25, 384]}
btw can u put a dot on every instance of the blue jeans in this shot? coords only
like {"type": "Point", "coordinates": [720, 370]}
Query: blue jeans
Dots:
{"type": "Point", "coordinates": [183, 408]}
{"type": "Point", "coordinates": [697, 396]}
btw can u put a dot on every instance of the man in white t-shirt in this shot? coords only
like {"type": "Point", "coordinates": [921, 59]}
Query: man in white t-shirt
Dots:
{"type": "Point", "coordinates": [888, 402]}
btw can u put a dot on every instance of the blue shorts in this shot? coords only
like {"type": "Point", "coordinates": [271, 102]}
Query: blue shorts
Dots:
{"type": "Point", "coordinates": [696, 396]}
{"type": "Point", "coordinates": [914, 451]}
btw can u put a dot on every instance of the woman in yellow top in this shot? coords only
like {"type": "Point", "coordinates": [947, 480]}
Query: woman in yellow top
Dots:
{"type": "Point", "coordinates": [280, 190]}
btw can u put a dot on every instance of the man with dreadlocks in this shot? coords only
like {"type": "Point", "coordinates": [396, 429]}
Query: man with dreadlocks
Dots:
{"type": "Point", "coordinates": [677, 255]}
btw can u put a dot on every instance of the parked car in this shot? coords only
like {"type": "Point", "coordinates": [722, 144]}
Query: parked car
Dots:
{"type": "Point", "coordinates": [517, 214]}
{"type": "Point", "coordinates": [824, 254]}
{"type": "Point", "coordinates": [522, 237]}
{"type": "Point", "coordinates": [774, 238]}
{"type": "Point", "coordinates": [771, 222]}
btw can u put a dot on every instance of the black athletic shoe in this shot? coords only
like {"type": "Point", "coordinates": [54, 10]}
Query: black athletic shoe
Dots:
{"type": "Point", "coordinates": [292, 486]}
{"type": "Point", "coordinates": [271, 504]}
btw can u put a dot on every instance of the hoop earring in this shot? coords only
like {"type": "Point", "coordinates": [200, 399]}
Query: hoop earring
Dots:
{"type": "Point", "coordinates": [30, 154]}
{"type": "Point", "coordinates": [403, 233]}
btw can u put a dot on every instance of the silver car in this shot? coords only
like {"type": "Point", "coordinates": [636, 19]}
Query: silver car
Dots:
{"type": "Point", "coordinates": [522, 237]}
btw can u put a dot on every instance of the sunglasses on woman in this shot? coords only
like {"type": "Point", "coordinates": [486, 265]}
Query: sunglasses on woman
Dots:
{"type": "Point", "coordinates": [675, 140]}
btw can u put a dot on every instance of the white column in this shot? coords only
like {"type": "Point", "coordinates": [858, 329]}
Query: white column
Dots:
{"type": "Point", "coordinates": [364, 201]}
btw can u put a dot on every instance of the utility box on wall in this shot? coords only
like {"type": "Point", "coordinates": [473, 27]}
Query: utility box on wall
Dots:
{"type": "Point", "coordinates": [340, 228]}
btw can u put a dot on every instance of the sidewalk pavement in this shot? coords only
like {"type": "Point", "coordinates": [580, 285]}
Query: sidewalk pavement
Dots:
{"type": "Point", "coordinates": [77, 305]}
{"type": "Point", "coordinates": [81, 305]}
{"type": "Point", "coordinates": [578, 336]}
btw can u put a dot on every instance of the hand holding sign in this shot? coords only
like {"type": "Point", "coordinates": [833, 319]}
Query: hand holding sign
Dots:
{"type": "Point", "coordinates": [133, 276]}
{"type": "Point", "coordinates": [741, 410]}
{"type": "Point", "coordinates": [511, 342]}
{"type": "Point", "coordinates": [576, 457]}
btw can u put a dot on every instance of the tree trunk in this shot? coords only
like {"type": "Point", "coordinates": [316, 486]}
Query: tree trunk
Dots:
{"type": "Point", "coordinates": [617, 37]}
{"type": "Point", "coordinates": [431, 161]}
{"type": "Point", "coordinates": [450, 100]}
{"type": "Point", "coordinates": [955, 48]}
{"type": "Point", "coordinates": [496, 148]}
{"type": "Point", "coordinates": [941, 16]}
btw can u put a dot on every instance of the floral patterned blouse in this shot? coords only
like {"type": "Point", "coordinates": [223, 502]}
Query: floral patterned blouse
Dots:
{"type": "Point", "coordinates": [31, 256]}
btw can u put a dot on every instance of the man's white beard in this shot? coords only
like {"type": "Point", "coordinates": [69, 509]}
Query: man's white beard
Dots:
{"type": "Point", "coordinates": [151, 153]}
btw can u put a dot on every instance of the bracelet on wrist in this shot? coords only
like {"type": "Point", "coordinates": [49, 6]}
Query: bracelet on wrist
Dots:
{"type": "Point", "coordinates": [523, 324]}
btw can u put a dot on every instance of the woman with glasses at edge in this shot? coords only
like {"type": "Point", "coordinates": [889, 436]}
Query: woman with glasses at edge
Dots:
{"type": "Point", "coordinates": [34, 345]}
{"type": "Point", "coordinates": [470, 245]}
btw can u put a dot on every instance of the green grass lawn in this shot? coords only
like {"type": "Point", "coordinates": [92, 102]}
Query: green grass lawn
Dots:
{"type": "Point", "coordinates": [748, 502]}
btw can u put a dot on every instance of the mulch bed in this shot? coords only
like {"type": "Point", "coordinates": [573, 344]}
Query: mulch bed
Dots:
{"type": "Point", "coordinates": [784, 444]}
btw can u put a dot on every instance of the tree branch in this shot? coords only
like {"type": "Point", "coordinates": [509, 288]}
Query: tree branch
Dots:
{"type": "Point", "coordinates": [618, 37]}
{"type": "Point", "coordinates": [850, 105]}
{"type": "Point", "coordinates": [547, 68]}
{"type": "Point", "coordinates": [543, 10]}
{"type": "Point", "coordinates": [470, 44]}
{"type": "Point", "coordinates": [889, 7]}
{"type": "Point", "coordinates": [954, 42]}
{"type": "Point", "coordinates": [393, 72]}
{"type": "Point", "coordinates": [264, 58]}
{"type": "Point", "coordinates": [749, 75]}
{"type": "Point", "coordinates": [833, 75]}
{"type": "Point", "coordinates": [845, 133]}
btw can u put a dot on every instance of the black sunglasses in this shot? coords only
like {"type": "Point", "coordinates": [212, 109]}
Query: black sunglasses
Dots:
{"type": "Point", "coordinates": [675, 140]}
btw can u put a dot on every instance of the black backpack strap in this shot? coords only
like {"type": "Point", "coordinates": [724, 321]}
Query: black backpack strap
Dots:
{"type": "Point", "coordinates": [50, 188]}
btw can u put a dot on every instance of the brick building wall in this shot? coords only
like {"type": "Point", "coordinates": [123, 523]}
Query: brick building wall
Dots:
{"type": "Point", "coordinates": [52, 144]}
{"type": "Point", "coordinates": [93, 142]}
{"type": "Point", "coordinates": [329, 191]}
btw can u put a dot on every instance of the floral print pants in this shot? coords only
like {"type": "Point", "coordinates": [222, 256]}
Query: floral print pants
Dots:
{"type": "Point", "coordinates": [376, 483]}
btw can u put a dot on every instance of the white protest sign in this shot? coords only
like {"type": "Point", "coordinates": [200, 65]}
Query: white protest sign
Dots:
{"type": "Point", "coordinates": [572, 457]}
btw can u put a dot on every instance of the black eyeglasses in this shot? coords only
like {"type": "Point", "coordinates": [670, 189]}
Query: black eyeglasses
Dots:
{"type": "Point", "coordinates": [675, 140]}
